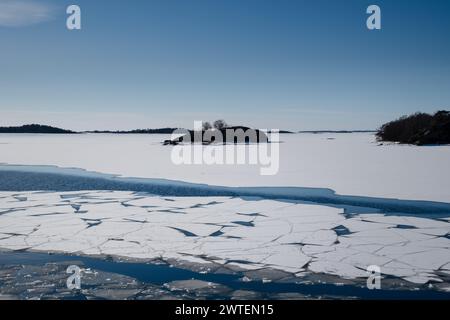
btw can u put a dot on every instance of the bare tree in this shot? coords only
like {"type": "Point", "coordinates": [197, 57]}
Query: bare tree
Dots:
{"type": "Point", "coordinates": [206, 126]}
{"type": "Point", "coordinates": [220, 124]}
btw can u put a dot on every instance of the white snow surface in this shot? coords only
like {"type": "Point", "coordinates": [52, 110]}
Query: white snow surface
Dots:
{"type": "Point", "coordinates": [251, 234]}
{"type": "Point", "coordinates": [350, 164]}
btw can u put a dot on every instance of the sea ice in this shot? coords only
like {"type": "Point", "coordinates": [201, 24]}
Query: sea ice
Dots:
{"type": "Point", "coordinates": [249, 234]}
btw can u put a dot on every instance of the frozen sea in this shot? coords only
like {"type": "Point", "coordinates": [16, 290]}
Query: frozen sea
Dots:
{"type": "Point", "coordinates": [339, 204]}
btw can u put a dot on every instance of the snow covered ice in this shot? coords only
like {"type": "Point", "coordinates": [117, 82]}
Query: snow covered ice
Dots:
{"type": "Point", "coordinates": [248, 234]}
{"type": "Point", "coordinates": [350, 164]}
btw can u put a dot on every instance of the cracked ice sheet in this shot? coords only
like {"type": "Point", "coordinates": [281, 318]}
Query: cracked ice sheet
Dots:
{"type": "Point", "coordinates": [250, 233]}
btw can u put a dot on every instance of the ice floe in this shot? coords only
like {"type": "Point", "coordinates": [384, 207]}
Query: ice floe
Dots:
{"type": "Point", "coordinates": [250, 234]}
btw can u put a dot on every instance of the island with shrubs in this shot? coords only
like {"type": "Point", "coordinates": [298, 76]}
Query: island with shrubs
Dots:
{"type": "Point", "coordinates": [417, 129]}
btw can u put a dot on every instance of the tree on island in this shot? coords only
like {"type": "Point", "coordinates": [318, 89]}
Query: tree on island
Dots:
{"type": "Point", "coordinates": [206, 126]}
{"type": "Point", "coordinates": [220, 124]}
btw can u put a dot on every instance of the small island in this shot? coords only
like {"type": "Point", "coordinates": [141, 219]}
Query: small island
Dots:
{"type": "Point", "coordinates": [220, 132]}
{"type": "Point", "coordinates": [417, 129]}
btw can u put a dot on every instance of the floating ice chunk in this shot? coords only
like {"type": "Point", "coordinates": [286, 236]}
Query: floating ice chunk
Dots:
{"type": "Point", "coordinates": [358, 224]}
{"type": "Point", "coordinates": [341, 269]}
{"type": "Point", "coordinates": [288, 258]}
{"type": "Point", "coordinates": [370, 248]}
{"type": "Point", "coordinates": [438, 242]}
{"type": "Point", "coordinates": [63, 245]}
{"type": "Point", "coordinates": [199, 229]}
{"type": "Point", "coordinates": [396, 251]}
{"type": "Point", "coordinates": [421, 279]}
{"type": "Point", "coordinates": [321, 237]}
{"type": "Point", "coordinates": [431, 259]}
{"type": "Point", "coordinates": [382, 237]}
{"type": "Point", "coordinates": [311, 250]}
{"type": "Point", "coordinates": [14, 243]}
{"type": "Point", "coordinates": [398, 269]}
{"type": "Point", "coordinates": [336, 255]}
{"type": "Point", "coordinates": [434, 231]}
{"type": "Point", "coordinates": [364, 260]}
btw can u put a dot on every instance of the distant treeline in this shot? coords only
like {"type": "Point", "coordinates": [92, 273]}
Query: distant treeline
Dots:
{"type": "Point", "coordinates": [140, 131]}
{"type": "Point", "coordinates": [337, 131]}
{"type": "Point", "coordinates": [419, 129]}
{"type": "Point", "coordinates": [37, 128]}
{"type": "Point", "coordinates": [281, 131]}
{"type": "Point", "coordinates": [33, 128]}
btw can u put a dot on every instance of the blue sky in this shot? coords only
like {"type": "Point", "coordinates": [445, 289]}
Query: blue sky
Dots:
{"type": "Point", "coordinates": [299, 65]}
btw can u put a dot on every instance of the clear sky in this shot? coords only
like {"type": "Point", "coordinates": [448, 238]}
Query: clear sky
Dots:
{"type": "Point", "coordinates": [298, 65]}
